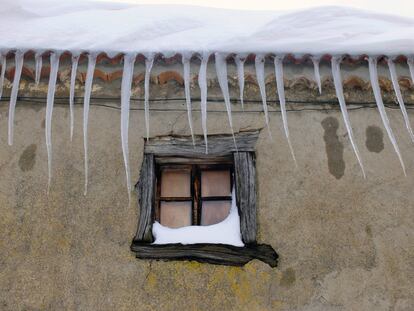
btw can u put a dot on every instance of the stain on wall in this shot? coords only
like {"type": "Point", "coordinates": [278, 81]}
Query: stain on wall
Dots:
{"type": "Point", "coordinates": [288, 277]}
{"type": "Point", "coordinates": [334, 148]}
{"type": "Point", "coordinates": [374, 139]}
{"type": "Point", "coordinates": [28, 158]}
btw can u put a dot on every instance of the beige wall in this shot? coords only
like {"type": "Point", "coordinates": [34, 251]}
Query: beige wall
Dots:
{"type": "Point", "coordinates": [345, 243]}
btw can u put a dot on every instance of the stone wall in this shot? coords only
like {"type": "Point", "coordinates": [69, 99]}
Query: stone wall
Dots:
{"type": "Point", "coordinates": [345, 243]}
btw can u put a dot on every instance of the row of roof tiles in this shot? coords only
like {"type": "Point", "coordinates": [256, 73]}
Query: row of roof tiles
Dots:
{"type": "Point", "coordinates": [352, 82]}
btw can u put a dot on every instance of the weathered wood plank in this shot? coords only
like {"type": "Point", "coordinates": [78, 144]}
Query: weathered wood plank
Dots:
{"type": "Point", "coordinates": [245, 181]}
{"type": "Point", "coordinates": [219, 145]}
{"type": "Point", "coordinates": [211, 253]}
{"type": "Point", "coordinates": [146, 189]}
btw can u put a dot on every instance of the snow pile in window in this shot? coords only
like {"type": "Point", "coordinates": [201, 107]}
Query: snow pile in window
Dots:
{"type": "Point", "coordinates": [225, 232]}
{"type": "Point", "coordinates": [113, 27]}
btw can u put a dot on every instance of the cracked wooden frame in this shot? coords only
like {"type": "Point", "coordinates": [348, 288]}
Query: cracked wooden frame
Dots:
{"type": "Point", "coordinates": [175, 149]}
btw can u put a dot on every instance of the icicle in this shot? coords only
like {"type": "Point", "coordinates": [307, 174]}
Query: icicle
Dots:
{"type": "Point", "coordinates": [315, 62]}
{"type": "Point", "coordinates": [75, 61]}
{"type": "Point", "coordinates": [372, 61]}
{"type": "Point", "coordinates": [86, 100]}
{"type": "Point", "coordinates": [240, 59]}
{"type": "Point", "coordinates": [3, 62]}
{"type": "Point", "coordinates": [410, 62]}
{"type": "Point", "coordinates": [221, 71]}
{"type": "Point", "coordinates": [18, 62]}
{"type": "Point", "coordinates": [129, 61]}
{"type": "Point", "coordinates": [54, 66]}
{"type": "Point", "coordinates": [149, 61]}
{"type": "Point", "coordinates": [281, 93]}
{"type": "Point", "coordinates": [186, 68]}
{"type": "Point", "coordinates": [38, 66]}
{"type": "Point", "coordinates": [397, 90]}
{"type": "Point", "coordinates": [202, 83]}
{"type": "Point", "coordinates": [336, 73]}
{"type": "Point", "coordinates": [260, 75]}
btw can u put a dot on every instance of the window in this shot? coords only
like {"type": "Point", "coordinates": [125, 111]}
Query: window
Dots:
{"type": "Point", "coordinates": [185, 190]}
{"type": "Point", "coordinates": [193, 194]}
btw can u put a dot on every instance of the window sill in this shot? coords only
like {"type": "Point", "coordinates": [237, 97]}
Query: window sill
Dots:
{"type": "Point", "coordinates": [219, 254]}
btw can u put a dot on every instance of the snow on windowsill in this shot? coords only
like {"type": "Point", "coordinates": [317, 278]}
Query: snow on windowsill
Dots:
{"type": "Point", "coordinates": [225, 232]}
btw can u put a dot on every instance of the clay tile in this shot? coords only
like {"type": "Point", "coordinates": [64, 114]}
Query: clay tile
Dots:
{"type": "Point", "coordinates": [139, 78]}
{"type": "Point", "coordinates": [355, 82]}
{"type": "Point", "coordinates": [385, 84]}
{"type": "Point", "coordinates": [166, 76]}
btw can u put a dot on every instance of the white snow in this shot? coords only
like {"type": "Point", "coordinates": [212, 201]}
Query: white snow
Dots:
{"type": "Point", "coordinates": [373, 73]}
{"type": "Point", "coordinates": [114, 27]}
{"type": "Point", "coordinates": [315, 61]}
{"type": "Point", "coordinates": [240, 60]}
{"type": "Point", "coordinates": [225, 232]}
{"type": "Point", "coordinates": [202, 83]}
{"type": "Point", "coordinates": [149, 61]}
{"type": "Point", "coordinates": [86, 100]}
{"type": "Point", "coordinates": [129, 61]}
{"type": "Point", "coordinates": [75, 61]}
{"type": "Point", "coordinates": [38, 66]}
{"type": "Point", "coordinates": [186, 74]}
{"type": "Point", "coordinates": [410, 62]}
{"type": "Point", "coordinates": [394, 79]}
{"type": "Point", "coordinates": [221, 70]}
{"type": "Point", "coordinates": [336, 73]}
{"type": "Point", "coordinates": [54, 67]}
{"type": "Point", "coordinates": [281, 93]}
{"type": "Point", "coordinates": [259, 62]}
{"type": "Point", "coordinates": [18, 60]}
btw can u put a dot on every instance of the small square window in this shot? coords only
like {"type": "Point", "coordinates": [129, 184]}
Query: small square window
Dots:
{"type": "Point", "coordinates": [203, 206]}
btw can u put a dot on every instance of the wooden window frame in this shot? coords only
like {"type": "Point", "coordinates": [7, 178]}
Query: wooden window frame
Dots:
{"type": "Point", "coordinates": [173, 150]}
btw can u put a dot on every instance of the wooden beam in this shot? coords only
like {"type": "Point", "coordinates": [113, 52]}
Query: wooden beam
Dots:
{"type": "Point", "coordinates": [146, 189]}
{"type": "Point", "coordinates": [219, 145]}
{"type": "Point", "coordinates": [219, 254]}
{"type": "Point", "coordinates": [245, 181]}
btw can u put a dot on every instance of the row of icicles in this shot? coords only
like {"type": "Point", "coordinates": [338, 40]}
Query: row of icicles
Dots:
{"type": "Point", "coordinates": [221, 70]}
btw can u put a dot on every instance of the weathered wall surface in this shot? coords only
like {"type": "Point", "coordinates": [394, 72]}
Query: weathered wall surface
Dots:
{"type": "Point", "coordinates": [345, 243]}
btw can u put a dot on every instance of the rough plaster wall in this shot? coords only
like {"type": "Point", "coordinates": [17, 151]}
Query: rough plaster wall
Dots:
{"type": "Point", "coordinates": [345, 243]}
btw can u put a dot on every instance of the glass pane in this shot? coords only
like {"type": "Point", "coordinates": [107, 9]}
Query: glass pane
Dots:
{"type": "Point", "coordinates": [176, 214]}
{"type": "Point", "coordinates": [175, 183]}
{"type": "Point", "coordinates": [214, 212]}
{"type": "Point", "coordinates": [215, 183]}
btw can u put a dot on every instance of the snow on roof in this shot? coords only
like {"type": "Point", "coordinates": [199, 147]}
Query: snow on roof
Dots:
{"type": "Point", "coordinates": [169, 29]}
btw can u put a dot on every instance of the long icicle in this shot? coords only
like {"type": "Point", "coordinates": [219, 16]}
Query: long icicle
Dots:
{"type": "Point", "coordinates": [315, 61]}
{"type": "Point", "coordinates": [54, 66]}
{"type": "Point", "coordinates": [149, 61]}
{"type": "Point", "coordinates": [38, 66]}
{"type": "Point", "coordinates": [129, 61]}
{"type": "Point", "coordinates": [186, 70]}
{"type": "Point", "coordinates": [202, 83]}
{"type": "Point", "coordinates": [336, 73]}
{"type": "Point", "coordinates": [281, 94]}
{"type": "Point", "coordinates": [240, 60]}
{"type": "Point", "coordinates": [260, 75]}
{"type": "Point", "coordinates": [221, 71]}
{"type": "Point", "coordinates": [75, 62]}
{"type": "Point", "coordinates": [86, 100]}
{"type": "Point", "coordinates": [19, 58]}
{"type": "Point", "coordinates": [372, 61]}
{"type": "Point", "coordinates": [394, 79]}
{"type": "Point", "coordinates": [410, 62]}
